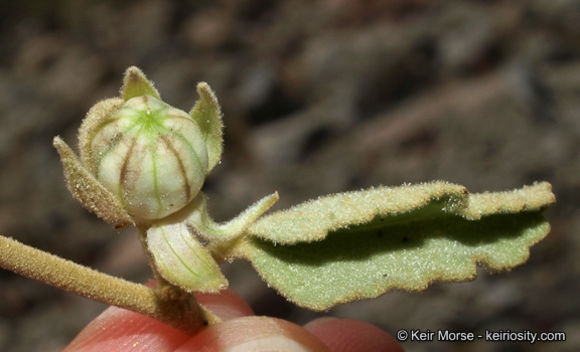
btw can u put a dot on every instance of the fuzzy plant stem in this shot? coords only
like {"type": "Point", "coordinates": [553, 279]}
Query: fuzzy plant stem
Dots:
{"type": "Point", "coordinates": [167, 305]}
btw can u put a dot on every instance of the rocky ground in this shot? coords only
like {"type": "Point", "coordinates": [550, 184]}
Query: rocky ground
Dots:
{"type": "Point", "coordinates": [318, 97]}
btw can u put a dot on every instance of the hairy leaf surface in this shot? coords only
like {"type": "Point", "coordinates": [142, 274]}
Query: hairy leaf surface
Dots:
{"type": "Point", "coordinates": [362, 244]}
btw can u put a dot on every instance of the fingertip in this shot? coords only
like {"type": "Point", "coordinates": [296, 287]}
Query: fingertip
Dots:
{"type": "Point", "coordinates": [226, 304]}
{"type": "Point", "coordinates": [348, 335]}
{"type": "Point", "coordinates": [253, 333]}
{"type": "Point", "coordinates": [118, 329]}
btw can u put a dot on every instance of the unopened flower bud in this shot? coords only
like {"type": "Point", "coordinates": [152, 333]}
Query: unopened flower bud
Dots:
{"type": "Point", "coordinates": [152, 156]}
{"type": "Point", "coordinates": [141, 158]}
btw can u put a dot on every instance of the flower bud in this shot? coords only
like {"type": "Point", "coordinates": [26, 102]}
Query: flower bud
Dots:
{"type": "Point", "coordinates": [141, 159]}
{"type": "Point", "coordinates": [152, 156]}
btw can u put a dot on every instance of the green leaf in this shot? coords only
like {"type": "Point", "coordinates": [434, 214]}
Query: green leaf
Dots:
{"type": "Point", "coordinates": [182, 260]}
{"type": "Point", "coordinates": [381, 206]}
{"type": "Point", "coordinates": [136, 84]}
{"type": "Point", "coordinates": [362, 244]}
{"type": "Point", "coordinates": [207, 113]}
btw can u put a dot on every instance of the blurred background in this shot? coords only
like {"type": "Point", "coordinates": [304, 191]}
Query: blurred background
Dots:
{"type": "Point", "coordinates": [318, 97]}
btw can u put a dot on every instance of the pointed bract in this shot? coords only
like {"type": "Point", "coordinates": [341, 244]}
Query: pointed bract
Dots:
{"type": "Point", "coordinates": [182, 260]}
{"type": "Point", "coordinates": [88, 191]}
{"type": "Point", "coordinates": [135, 84]}
{"type": "Point", "coordinates": [207, 113]}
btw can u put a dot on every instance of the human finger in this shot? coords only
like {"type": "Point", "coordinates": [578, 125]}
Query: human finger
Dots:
{"type": "Point", "coordinates": [226, 305]}
{"type": "Point", "coordinates": [118, 329]}
{"type": "Point", "coordinates": [349, 335]}
{"type": "Point", "coordinates": [253, 333]}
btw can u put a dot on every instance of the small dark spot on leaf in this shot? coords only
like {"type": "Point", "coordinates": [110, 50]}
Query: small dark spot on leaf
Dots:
{"type": "Point", "coordinates": [405, 239]}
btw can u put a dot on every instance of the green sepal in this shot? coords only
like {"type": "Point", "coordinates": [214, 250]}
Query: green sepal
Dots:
{"type": "Point", "coordinates": [88, 191]}
{"type": "Point", "coordinates": [207, 113]}
{"type": "Point", "coordinates": [181, 260]}
{"type": "Point", "coordinates": [406, 239]}
{"type": "Point", "coordinates": [136, 84]}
